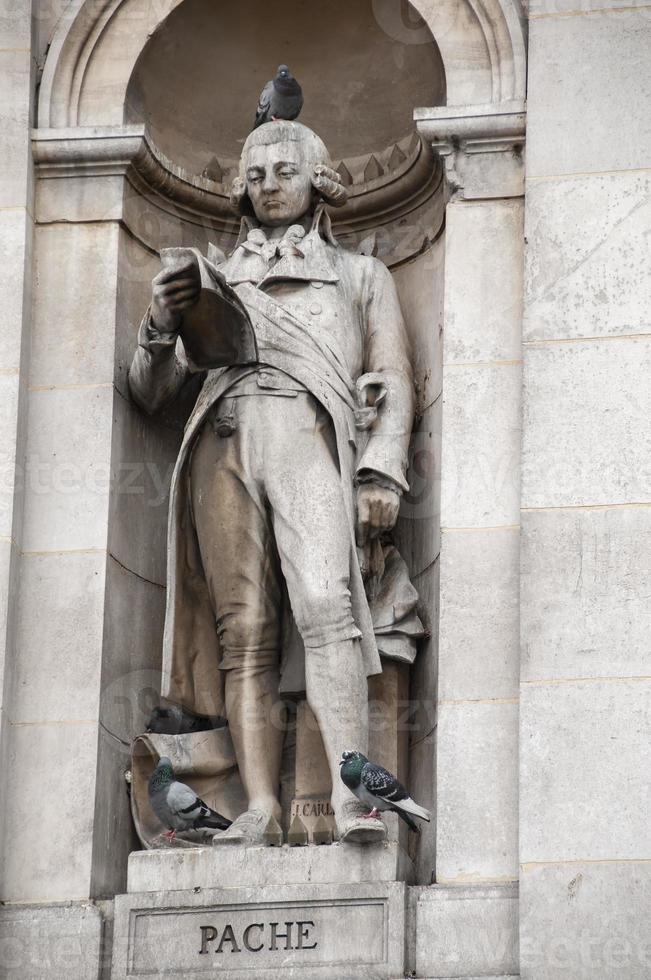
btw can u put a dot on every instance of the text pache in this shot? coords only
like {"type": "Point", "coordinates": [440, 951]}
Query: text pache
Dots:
{"type": "Point", "coordinates": [257, 936]}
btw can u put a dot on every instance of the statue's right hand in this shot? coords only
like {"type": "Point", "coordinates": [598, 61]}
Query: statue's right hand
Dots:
{"type": "Point", "coordinates": [173, 291]}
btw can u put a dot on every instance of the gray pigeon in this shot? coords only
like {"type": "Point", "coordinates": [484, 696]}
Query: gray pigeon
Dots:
{"type": "Point", "coordinates": [377, 788]}
{"type": "Point", "coordinates": [174, 720]}
{"type": "Point", "coordinates": [281, 98]}
{"type": "Point", "coordinates": [177, 806]}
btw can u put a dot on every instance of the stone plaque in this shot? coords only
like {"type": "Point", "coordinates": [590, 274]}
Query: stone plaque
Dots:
{"type": "Point", "coordinates": [307, 931]}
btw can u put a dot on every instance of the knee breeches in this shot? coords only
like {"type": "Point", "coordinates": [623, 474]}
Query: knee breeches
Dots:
{"type": "Point", "coordinates": [271, 520]}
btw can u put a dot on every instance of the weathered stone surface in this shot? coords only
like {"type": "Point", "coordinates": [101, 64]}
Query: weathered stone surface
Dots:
{"type": "Point", "coordinates": [420, 288]}
{"type": "Point", "coordinates": [15, 98]}
{"type": "Point", "coordinates": [56, 677]}
{"type": "Point", "coordinates": [585, 920]}
{"type": "Point", "coordinates": [464, 931]}
{"type": "Point", "coordinates": [418, 532]}
{"type": "Point", "coordinates": [76, 199]}
{"type": "Point", "coordinates": [489, 176]}
{"type": "Point", "coordinates": [481, 446]}
{"type": "Point", "coordinates": [586, 435]}
{"type": "Point", "coordinates": [114, 835]}
{"type": "Point", "coordinates": [73, 336]}
{"type": "Point", "coordinates": [584, 764]}
{"type": "Point", "coordinates": [50, 942]}
{"type": "Point", "coordinates": [137, 266]}
{"type": "Point", "coordinates": [546, 8]}
{"type": "Point", "coordinates": [483, 281]}
{"type": "Point", "coordinates": [588, 78]}
{"type": "Point", "coordinates": [477, 791]}
{"type": "Point", "coordinates": [422, 783]}
{"type": "Point", "coordinates": [479, 644]}
{"type": "Point", "coordinates": [338, 932]}
{"type": "Point", "coordinates": [16, 251]}
{"type": "Point", "coordinates": [50, 763]}
{"type": "Point", "coordinates": [133, 626]}
{"type": "Point", "coordinates": [586, 581]}
{"type": "Point", "coordinates": [15, 25]}
{"type": "Point", "coordinates": [68, 469]}
{"type": "Point", "coordinates": [8, 556]}
{"type": "Point", "coordinates": [143, 453]}
{"type": "Point", "coordinates": [422, 721]}
{"type": "Point", "coordinates": [130, 683]}
{"type": "Point", "coordinates": [587, 256]}
{"type": "Point", "coordinates": [9, 396]}
{"type": "Point", "coordinates": [249, 867]}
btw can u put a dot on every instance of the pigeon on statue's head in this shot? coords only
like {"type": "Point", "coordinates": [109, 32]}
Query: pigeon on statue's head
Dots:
{"type": "Point", "coordinates": [281, 98]}
{"type": "Point", "coordinates": [177, 806]}
{"type": "Point", "coordinates": [379, 789]}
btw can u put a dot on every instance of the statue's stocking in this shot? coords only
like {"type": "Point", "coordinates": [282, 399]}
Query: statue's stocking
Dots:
{"type": "Point", "coordinates": [337, 692]}
{"type": "Point", "coordinates": [255, 727]}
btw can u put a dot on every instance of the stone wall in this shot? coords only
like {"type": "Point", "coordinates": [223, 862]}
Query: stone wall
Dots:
{"type": "Point", "coordinates": [586, 496]}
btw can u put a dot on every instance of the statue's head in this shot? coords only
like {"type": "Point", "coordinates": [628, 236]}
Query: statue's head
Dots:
{"type": "Point", "coordinates": [285, 170]}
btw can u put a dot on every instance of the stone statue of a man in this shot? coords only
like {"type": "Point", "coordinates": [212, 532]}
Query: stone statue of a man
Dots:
{"type": "Point", "coordinates": [284, 468]}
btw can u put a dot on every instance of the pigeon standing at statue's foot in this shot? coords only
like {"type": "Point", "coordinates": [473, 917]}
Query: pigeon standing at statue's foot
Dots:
{"type": "Point", "coordinates": [379, 789]}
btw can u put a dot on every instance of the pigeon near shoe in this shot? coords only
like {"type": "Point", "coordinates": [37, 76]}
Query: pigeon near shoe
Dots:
{"type": "Point", "coordinates": [355, 827]}
{"type": "Point", "coordinates": [379, 789]}
{"type": "Point", "coordinates": [177, 806]}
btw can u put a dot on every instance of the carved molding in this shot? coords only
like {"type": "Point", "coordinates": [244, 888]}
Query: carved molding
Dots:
{"type": "Point", "coordinates": [402, 208]}
{"type": "Point", "coordinates": [481, 147]}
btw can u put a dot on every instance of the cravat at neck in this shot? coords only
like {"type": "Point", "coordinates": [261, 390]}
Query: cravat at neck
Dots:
{"type": "Point", "coordinates": [273, 248]}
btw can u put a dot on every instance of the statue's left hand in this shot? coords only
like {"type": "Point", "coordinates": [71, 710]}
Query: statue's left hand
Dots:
{"type": "Point", "coordinates": [377, 511]}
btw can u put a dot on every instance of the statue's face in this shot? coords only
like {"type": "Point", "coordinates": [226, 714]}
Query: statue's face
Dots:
{"type": "Point", "coordinates": [279, 183]}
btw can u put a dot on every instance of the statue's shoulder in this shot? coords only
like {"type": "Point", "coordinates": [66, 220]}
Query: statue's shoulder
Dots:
{"type": "Point", "coordinates": [361, 261]}
{"type": "Point", "coordinates": [369, 272]}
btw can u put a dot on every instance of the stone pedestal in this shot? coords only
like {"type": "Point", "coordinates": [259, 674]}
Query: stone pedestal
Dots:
{"type": "Point", "coordinates": [328, 912]}
{"type": "Point", "coordinates": [467, 932]}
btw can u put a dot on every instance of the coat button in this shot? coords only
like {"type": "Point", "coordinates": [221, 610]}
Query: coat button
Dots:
{"type": "Point", "coordinates": [317, 284]}
{"type": "Point", "coordinates": [315, 309]}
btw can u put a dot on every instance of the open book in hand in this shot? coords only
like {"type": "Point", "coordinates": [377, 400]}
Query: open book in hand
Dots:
{"type": "Point", "coordinates": [217, 330]}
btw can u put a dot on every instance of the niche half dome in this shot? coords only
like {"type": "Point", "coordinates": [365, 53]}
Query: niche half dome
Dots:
{"type": "Point", "coordinates": [197, 81]}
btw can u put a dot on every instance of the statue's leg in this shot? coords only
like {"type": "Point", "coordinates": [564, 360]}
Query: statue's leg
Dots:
{"type": "Point", "coordinates": [251, 708]}
{"type": "Point", "coordinates": [313, 536]}
{"type": "Point", "coordinates": [337, 692]}
{"type": "Point", "coordinates": [241, 567]}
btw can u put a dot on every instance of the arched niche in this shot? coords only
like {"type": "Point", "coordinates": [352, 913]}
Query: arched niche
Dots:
{"type": "Point", "coordinates": [197, 80]}
{"type": "Point", "coordinates": [196, 83]}
{"type": "Point", "coordinates": [94, 87]}
{"type": "Point", "coordinates": [98, 42]}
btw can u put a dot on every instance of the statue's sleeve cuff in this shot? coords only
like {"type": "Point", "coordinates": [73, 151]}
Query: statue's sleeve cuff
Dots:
{"type": "Point", "coordinates": [379, 479]}
{"type": "Point", "coordinates": [151, 338]}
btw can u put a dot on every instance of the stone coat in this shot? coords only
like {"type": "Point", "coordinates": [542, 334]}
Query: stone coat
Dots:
{"type": "Point", "coordinates": [328, 318]}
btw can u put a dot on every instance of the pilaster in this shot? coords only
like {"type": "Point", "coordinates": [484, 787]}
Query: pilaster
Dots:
{"type": "Point", "coordinates": [16, 238]}
{"type": "Point", "coordinates": [479, 648]}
